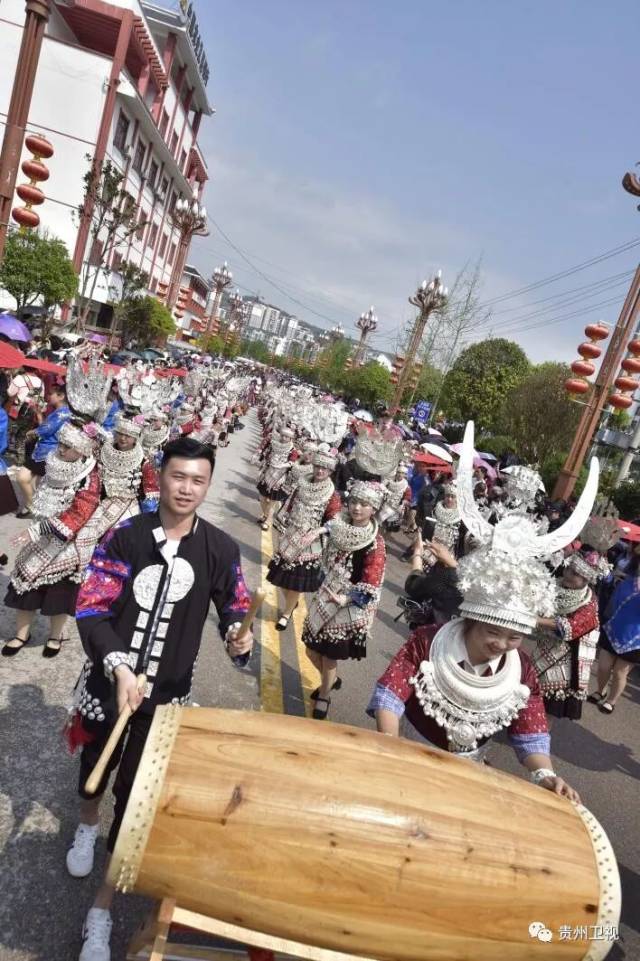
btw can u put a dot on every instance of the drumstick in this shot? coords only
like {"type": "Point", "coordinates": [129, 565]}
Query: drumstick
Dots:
{"type": "Point", "coordinates": [93, 781]}
{"type": "Point", "coordinates": [256, 602]}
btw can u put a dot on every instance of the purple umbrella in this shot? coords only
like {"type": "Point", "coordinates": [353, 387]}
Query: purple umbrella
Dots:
{"type": "Point", "coordinates": [98, 339]}
{"type": "Point", "coordinates": [13, 329]}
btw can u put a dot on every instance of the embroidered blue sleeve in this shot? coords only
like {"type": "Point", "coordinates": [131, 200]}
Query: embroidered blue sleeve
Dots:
{"type": "Point", "coordinates": [525, 744]}
{"type": "Point", "coordinates": [384, 699]}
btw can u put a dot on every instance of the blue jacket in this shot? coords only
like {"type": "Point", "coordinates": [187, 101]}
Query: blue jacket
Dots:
{"type": "Point", "coordinates": [4, 438]}
{"type": "Point", "coordinates": [48, 433]}
{"type": "Point", "coordinates": [110, 420]}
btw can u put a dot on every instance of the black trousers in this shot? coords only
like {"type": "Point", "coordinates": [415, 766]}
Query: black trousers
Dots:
{"type": "Point", "coordinates": [126, 758]}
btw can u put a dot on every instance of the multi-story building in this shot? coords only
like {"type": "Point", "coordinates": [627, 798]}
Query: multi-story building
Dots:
{"type": "Point", "coordinates": [125, 82]}
{"type": "Point", "coordinates": [194, 307]}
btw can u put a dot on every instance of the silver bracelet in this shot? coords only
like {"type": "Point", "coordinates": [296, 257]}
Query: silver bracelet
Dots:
{"type": "Point", "coordinates": [113, 660]}
{"type": "Point", "coordinates": [540, 774]}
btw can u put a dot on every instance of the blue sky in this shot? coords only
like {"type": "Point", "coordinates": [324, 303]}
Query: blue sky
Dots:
{"type": "Point", "coordinates": [359, 144]}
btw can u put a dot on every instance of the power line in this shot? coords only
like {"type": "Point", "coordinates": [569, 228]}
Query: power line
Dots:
{"type": "Point", "coordinates": [629, 245]}
{"type": "Point", "coordinates": [563, 293]}
{"type": "Point", "coordinates": [557, 320]}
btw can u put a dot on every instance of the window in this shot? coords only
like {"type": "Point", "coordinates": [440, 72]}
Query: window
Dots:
{"type": "Point", "coordinates": [138, 157]}
{"type": "Point", "coordinates": [122, 129]}
{"type": "Point", "coordinates": [164, 187]}
{"type": "Point", "coordinates": [183, 160]}
{"type": "Point", "coordinates": [164, 122]}
{"type": "Point", "coordinates": [95, 254]}
{"type": "Point", "coordinates": [163, 245]}
{"type": "Point", "coordinates": [116, 263]}
{"type": "Point", "coordinates": [172, 254]}
{"type": "Point", "coordinates": [153, 286]}
{"type": "Point", "coordinates": [174, 143]}
{"type": "Point", "coordinates": [152, 176]}
{"type": "Point", "coordinates": [142, 222]}
{"type": "Point", "coordinates": [172, 202]}
{"type": "Point", "coordinates": [152, 235]}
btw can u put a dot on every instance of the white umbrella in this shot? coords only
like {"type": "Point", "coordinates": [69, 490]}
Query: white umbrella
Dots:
{"type": "Point", "coordinates": [363, 415]}
{"type": "Point", "coordinates": [486, 456]}
{"type": "Point", "coordinates": [437, 451]}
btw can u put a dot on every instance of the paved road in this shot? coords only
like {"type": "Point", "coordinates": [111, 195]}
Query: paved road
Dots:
{"type": "Point", "coordinates": [41, 907]}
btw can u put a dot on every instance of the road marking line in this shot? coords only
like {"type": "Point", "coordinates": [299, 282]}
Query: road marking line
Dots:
{"type": "Point", "coordinates": [309, 676]}
{"type": "Point", "coordinates": [271, 693]}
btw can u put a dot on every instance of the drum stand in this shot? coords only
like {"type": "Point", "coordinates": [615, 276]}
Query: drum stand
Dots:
{"type": "Point", "coordinates": [151, 941]}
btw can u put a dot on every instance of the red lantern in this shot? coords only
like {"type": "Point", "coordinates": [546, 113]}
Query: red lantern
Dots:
{"type": "Point", "coordinates": [589, 350]}
{"type": "Point", "coordinates": [25, 217]}
{"type": "Point", "coordinates": [38, 145]}
{"type": "Point", "coordinates": [631, 365]}
{"type": "Point", "coordinates": [35, 170]}
{"type": "Point", "coordinates": [584, 368]}
{"type": "Point", "coordinates": [634, 347]}
{"type": "Point", "coordinates": [597, 331]}
{"type": "Point", "coordinates": [626, 383]}
{"type": "Point", "coordinates": [30, 194]}
{"type": "Point", "coordinates": [620, 401]}
{"type": "Point", "coordinates": [576, 386]}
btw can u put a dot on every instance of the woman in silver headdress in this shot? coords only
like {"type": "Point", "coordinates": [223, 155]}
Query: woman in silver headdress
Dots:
{"type": "Point", "coordinates": [55, 550]}
{"type": "Point", "coordinates": [342, 612]}
{"type": "Point", "coordinates": [270, 485]}
{"type": "Point", "coordinates": [155, 435]}
{"type": "Point", "coordinates": [457, 685]}
{"type": "Point", "coordinates": [294, 568]}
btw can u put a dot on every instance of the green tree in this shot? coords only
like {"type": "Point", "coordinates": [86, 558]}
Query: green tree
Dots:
{"type": "Point", "coordinates": [210, 344]}
{"type": "Point", "coordinates": [257, 350]}
{"type": "Point", "coordinates": [627, 499]}
{"type": "Point", "coordinates": [332, 363]}
{"type": "Point", "coordinates": [480, 379]}
{"type": "Point", "coordinates": [133, 285]}
{"type": "Point", "coordinates": [538, 414]}
{"type": "Point", "coordinates": [37, 268]}
{"type": "Point", "coordinates": [551, 468]}
{"type": "Point", "coordinates": [369, 383]}
{"type": "Point", "coordinates": [428, 386]}
{"type": "Point", "coordinates": [148, 321]}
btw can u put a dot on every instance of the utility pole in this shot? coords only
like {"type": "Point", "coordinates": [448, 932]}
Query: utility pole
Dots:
{"type": "Point", "coordinates": [600, 394]}
{"type": "Point", "coordinates": [36, 19]}
{"type": "Point", "coordinates": [221, 278]}
{"type": "Point", "coordinates": [428, 297]}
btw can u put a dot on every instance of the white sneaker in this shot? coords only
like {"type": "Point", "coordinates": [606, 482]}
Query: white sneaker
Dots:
{"type": "Point", "coordinates": [96, 933]}
{"type": "Point", "coordinates": [80, 854]}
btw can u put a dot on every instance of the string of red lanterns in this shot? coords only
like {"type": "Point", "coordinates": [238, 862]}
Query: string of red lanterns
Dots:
{"type": "Point", "coordinates": [37, 172]}
{"type": "Point", "coordinates": [584, 366]}
{"type": "Point", "coordinates": [627, 385]}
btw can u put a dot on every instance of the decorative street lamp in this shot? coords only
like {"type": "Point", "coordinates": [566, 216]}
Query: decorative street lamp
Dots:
{"type": "Point", "coordinates": [430, 296]}
{"type": "Point", "coordinates": [220, 280]}
{"type": "Point", "coordinates": [238, 313]}
{"type": "Point", "coordinates": [367, 323]}
{"type": "Point", "coordinates": [336, 333]}
{"type": "Point", "coordinates": [190, 217]}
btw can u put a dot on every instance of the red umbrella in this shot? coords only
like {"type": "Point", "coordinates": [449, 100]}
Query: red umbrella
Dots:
{"type": "Point", "coordinates": [171, 372]}
{"type": "Point", "coordinates": [629, 531]}
{"type": "Point", "coordinates": [433, 463]}
{"type": "Point", "coordinates": [10, 356]}
{"type": "Point", "coordinates": [46, 366]}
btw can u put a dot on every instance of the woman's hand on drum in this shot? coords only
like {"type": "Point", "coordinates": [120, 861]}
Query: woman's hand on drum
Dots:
{"type": "Point", "coordinates": [128, 689]}
{"type": "Point", "coordinates": [558, 786]}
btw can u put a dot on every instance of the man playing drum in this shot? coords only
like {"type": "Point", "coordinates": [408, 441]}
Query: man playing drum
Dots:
{"type": "Point", "coordinates": [141, 610]}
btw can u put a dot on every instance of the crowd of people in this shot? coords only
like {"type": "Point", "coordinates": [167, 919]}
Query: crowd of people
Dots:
{"type": "Point", "coordinates": [110, 468]}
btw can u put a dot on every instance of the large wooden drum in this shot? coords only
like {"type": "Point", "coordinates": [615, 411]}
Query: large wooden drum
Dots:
{"type": "Point", "coordinates": [348, 840]}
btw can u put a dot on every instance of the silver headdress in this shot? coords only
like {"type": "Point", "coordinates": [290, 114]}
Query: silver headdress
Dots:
{"type": "Point", "coordinates": [522, 485]}
{"type": "Point", "coordinates": [147, 393]}
{"type": "Point", "coordinates": [75, 437]}
{"type": "Point", "coordinates": [598, 535]}
{"type": "Point", "coordinates": [325, 458]}
{"type": "Point", "coordinates": [503, 581]}
{"type": "Point", "coordinates": [369, 492]}
{"type": "Point", "coordinates": [88, 389]}
{"type": "Point", "coordinates": [127, 425]}
{"type": "Point", "coordinates": [376, 455]}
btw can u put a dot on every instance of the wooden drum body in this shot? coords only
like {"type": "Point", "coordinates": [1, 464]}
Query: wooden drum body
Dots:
{"type": "Point", "coordinates": [348, 840]}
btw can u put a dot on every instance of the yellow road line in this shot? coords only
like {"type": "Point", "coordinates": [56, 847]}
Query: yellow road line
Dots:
{"type": "Point", "coordinates": [271, 694]}
{"type": "Point", "coordinates": [309, 676]}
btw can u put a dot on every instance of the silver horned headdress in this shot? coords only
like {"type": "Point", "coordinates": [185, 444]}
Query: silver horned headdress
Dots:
{"type": "Point", "coordinates": [88, 386]}
{"type": "Point", "coordinates": [503, 581]}
{"type": "Point", "coordinates": [376, 455]}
